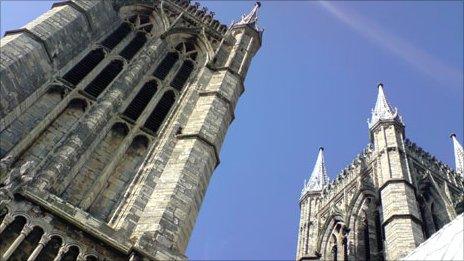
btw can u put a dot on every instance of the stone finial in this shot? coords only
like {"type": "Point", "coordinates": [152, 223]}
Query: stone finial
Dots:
{"type": "Point", "coordinates": [383, 110]}
{"type": "Point", "coordinates": [458, 155]}
{"type": "Point", "coordinates": [251, 18]}
{"type": "Point", "coordinates": [319, 178]}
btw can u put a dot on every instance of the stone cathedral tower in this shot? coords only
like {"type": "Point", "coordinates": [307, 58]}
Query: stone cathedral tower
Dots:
{"type": "Point", "coordinates": [392, 197]}
{"type": "Point", "coordinates": [113, 114]}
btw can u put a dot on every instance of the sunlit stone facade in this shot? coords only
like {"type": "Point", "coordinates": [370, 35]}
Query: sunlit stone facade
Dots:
{"type": "Point", "coordinates": [112, 117]}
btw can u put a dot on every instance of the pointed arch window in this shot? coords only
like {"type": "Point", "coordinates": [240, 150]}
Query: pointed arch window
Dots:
{"type": "Point", "coordinates": [104, 78]}
{"type": "Point", "coordinates": [85, 66]}
{"type": "Point", "coordinates": [166, 65]}
{"type": "Point", "coordinates": [189, 56]}
{"type": "Point", "coordinates": [182, 75]}
{"type": "Point", "coordinates": [134, 46]}
{"type": "Point", "coordinates": [156, 118]}
{"type": "Point", "coordinates": [116, 37]}
{"type": "Point", "coordinates": [141, 100]}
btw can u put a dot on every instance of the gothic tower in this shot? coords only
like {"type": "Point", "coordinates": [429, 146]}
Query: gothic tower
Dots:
{"type": "Point", "coordinates": [112, 117]}
{"type": "Point", "coordinates": [392, 197]}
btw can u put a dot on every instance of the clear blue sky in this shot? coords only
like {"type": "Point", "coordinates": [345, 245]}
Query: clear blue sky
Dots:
{"type": "Point", "coordinates": [313, 83]}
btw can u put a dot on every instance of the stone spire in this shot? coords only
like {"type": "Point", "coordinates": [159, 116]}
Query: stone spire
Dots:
{"type": "Point", "coordinates": [251, 18]}
{"type": "Point", "coordinates": [383, 110]}
{"type": "Point", "coordinates": [319, 178]}
{"type": "Point", "coordinates": [458, 155]}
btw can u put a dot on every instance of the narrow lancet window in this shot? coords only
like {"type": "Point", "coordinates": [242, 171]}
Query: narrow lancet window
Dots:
{"type": "Point", "coordinates": [134, 46]}
{"type": "Point", "coordinates": [160, 112]}
{"type": "Point", "coordinates": [84, 67]}
{"type": "Point", "coordinates": [141, 100]}
{"type": "Point", "coordinates": [116, 37]}
{"type": "Point", "coordinates": [182, 75]}
{"type": "Point", "coordinates": [104, 78]}
{"type": "Point", "coordinates": [166, 65]}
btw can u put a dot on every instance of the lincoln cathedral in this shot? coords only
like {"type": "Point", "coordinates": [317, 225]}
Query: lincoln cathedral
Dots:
{"type": "Point", "coordinates": [113, 114]}
{"type": "Point", "coordinates": [112, 118]}
{"type": "Point", "coordinates": [392, 197]}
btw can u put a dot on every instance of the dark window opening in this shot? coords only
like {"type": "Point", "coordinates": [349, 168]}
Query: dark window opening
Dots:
{"type": "Point", "coordinates": [378, 232]}
{"type": "Point", "coordinates": [166, 65]}
{"type": "Point", "coordinates": [84, 67]}
{"type": "Point", "coordinates": [144, 19]}
{"type": "Point", "coordinates": [141, 100]}
{"type": "Point", "coordinates": [132, 19]}
{"type": "Point", "coordinates": [148, 28]}
{"type": "Point", "coordinates": [160, 112]}
{"type": "Point", "coordinates": [189, 47]}
{"type": "Point", "coordinates": [134, 46]}
{"type": "Point", "coordinates": [116, 37]}
{"type": "Point", "coordinates": [51, 249]}
{"type": "Point", "coordinates": [182, 75]}
{"type": "Point", "coordinates": [104, 78]}
{"type": "Point", "coordinates": [72, 254]}
{"type": "Point", "coordinates": [334, 252]}
{"type": "Point", "coordinates": [367, 251]}
{"type": "Point", "coordinates": [435, 219]}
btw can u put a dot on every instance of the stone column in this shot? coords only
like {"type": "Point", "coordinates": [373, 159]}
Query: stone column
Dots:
{"type": "Point", "coordinates": [24, 232]}
{"type": "Point", "coordinates": [6, 221]}
{"type": "Point", "coordinates": [63, 249]}
{"type": "Point", "coordinates": [43, 241]}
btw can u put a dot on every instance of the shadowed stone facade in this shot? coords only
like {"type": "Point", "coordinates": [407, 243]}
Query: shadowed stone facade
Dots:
{"type": "Point", "coordinates": [112, 117]}
{"type": "Point", "coordinates": [392, 197]}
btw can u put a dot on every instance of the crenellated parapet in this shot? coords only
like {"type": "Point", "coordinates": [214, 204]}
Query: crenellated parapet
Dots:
{"type": "Point", "coordinates": [436, 167]}
{"type": "Point", "coordinates": [391, 185]}
{"type": "Point", "coordinates": [353, 171]}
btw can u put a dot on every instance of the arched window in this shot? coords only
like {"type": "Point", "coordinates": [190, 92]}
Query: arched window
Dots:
{"type": "Point", "coordinates": [91, 258]}
{"type": "Point", "coordinates": [10, 233]}
{"type": "Point", "coordinates": [189, 55]}
{"type": "Point", "coordinates": [160, 112]}
{"type": "Point", "coordinates": [134, 46]}
{"type": "Point", "coordinates": [85, 66]}
{"type": "Point", "coordinates": [24, 250]}
{"type": "Point", "coordinates": [379, 234]}
{"type": "Point", "coordinates": [166, 65]}
{"type": "Point", "coordinates": [51, 249]}
{"type": "Point", "coordinates": [116, 37]}
{"type": "Point", "coordinates": [367, 252]}
{"type": "Point", "coordinates": [141, 100]}
{"type": "Point", "coordinates": [435, 218]}
{"type": "Point", "coordinates": [104, 78]}
{"type": "Point", "coordinates": [182, 75]}
{"type": "Point", "coordinates": [334, 249]}
{"type": "Point", "coordinates": [72, 254]}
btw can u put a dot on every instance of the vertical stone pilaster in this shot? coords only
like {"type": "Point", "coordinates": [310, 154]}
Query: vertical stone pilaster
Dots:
{"type": "Point", "coordinates": [401, 216]}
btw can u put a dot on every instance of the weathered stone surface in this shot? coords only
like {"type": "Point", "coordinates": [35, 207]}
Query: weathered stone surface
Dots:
{"type": "Point", "coordinates": [103, 181]}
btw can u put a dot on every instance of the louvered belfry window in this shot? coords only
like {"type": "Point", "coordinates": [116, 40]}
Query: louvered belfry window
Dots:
{"type": "Point", "coordinates": [166, 65]}
{"type": "Point", "coordinates": [141, 100]}
{"type": "Point", "coordinates": [184, 55]}
{"type": "Point", "coordinates": [134, 46]}
{"type": "Point", "coordinates": [182, 75]}
{"type": "Point", "coordinates": [85, 66]}
{"type": "Point", "coordinates": [104, 78]}
{"type": "Point", "coordinates": [116, 37]}
{"type": "Point", "coordinates": [160, 112]}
